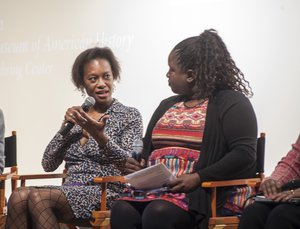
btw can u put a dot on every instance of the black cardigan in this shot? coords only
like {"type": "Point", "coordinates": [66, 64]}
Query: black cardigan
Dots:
{"type": "Point", "coordinates": [228, 146]}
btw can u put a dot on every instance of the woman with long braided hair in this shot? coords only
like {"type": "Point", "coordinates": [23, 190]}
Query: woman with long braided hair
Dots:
{"type": "Point", "coordinates": [208, 131]}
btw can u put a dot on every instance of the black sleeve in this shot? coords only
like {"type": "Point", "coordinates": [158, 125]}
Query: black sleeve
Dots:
{"type": "Point", "coordinates": [238, 126]}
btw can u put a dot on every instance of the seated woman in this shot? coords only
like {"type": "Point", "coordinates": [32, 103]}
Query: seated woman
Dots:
{"type": "Point", "coordinates": [281, 213]}
{"type": "Point", "coordinates": [100, 141]}
{"type": "Point", "coordinates": [206, 132]}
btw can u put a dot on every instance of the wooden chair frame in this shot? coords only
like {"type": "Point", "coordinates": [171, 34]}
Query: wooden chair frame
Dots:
{"type": "Point", "coordinates": [231, 222]}
{"type": "Point", "coordinates": [10, 147]}
{"type": "Point", "coordinates": [102, 218]}
{"type": "Point", "coordinates": [225, 221]}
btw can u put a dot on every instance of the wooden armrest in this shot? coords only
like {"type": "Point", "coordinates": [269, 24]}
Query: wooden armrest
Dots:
{"type": "Point", "coordinates": [109, 179]}
{"type": "Point", "coordinates": [38, 176]}
{"type": "Point", "coordinates": [101, 214]}
{"type": "Point", "coordinates": [6, 176]}
{"type": "Point", "coordinates": [213, 184]}
{"type": "Point", "coordinates": [253, 182]}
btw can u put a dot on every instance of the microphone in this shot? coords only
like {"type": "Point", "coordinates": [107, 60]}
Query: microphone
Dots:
{"type": "Point", "coordinates": [137, 148]}
{"type": "Point", "coordinates": [87, 104]}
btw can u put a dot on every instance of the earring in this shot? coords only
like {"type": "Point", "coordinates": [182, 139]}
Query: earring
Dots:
{"type": "Point", "coordinates": [82, 92]}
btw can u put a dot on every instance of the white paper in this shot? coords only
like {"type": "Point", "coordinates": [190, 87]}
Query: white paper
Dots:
{"type": "Point", "coordinates": [151, 177]}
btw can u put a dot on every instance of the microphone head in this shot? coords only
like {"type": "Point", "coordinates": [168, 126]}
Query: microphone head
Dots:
{"type": "Point", "coordinates": [137, 146]}
{"type": "Point", "coordinates": [88, 103]}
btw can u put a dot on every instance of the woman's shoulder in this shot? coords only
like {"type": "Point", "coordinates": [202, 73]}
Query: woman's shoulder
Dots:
{"type": "Point", "coordinates": [230, 93]}
{"type": "Point", "coordinates": [226, 99]}
{"type": "Point", "coordinates": [121, 108]}
{"type": "Point", "coordinates": [229, 96]}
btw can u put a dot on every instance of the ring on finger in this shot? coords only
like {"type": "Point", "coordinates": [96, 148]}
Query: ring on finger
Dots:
{"type": "Point", "coordinates": [292, 191]}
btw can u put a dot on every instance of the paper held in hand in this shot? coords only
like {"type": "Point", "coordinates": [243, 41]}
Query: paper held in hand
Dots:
{"type": "Point", "coordinates": [151, 177]}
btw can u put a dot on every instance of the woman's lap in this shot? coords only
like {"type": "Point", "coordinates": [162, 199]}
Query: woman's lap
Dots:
{"type": "Point", "coordinates": [146, 215]}
{"type": "Point", "coordinates": [260, 215]}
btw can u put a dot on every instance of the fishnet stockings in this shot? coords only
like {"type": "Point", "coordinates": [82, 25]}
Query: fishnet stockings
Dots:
{"type": "Point", "coordinates": [38, 208]}
{"type": "Point", "coordinates": [17, 216]}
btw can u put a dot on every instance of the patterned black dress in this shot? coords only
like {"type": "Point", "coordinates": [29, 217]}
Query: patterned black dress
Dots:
{"type": "Point", "coordinates": [84, 162]}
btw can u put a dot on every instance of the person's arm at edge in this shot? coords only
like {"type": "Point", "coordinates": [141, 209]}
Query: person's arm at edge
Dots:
{"type": "Point", "coordinates": [2, 146]}
{"type": "Point", "coordinates": [288, 168]}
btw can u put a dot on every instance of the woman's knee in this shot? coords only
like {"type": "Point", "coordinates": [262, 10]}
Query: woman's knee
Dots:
{"type": "Point", "coordinates": [255, 216]}
{"type": "Point", "coordinates": [19, 195]}
{"type": "Point", "coordinates": [281, 211]}
{"type": "Point", "coordinates": [163, 214]}
{"type": "Point", "coordinates": [34, 196]}
{"type": "Point", "coordinates": [159, 209]}
{"type": "Point", "coordinates": [122, 208]}
{"type": "Point", "coordinates": [253, 209]}
{"type": "Point", "coordinates": [125, 215]}
{"type": "Point", "coordinates": [282, 215]}
{"type": "Point", "coordinates": [37, 202]}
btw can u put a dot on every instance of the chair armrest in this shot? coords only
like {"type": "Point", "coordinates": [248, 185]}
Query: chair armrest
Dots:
{"type": "Point", "coordinates": [253, 182]}
{"type": "Point", "coordinates": [38, 176]}
{"type": "Point", "coordinates": [6, 176]}
{"type": "Point", "coordinates": [109, 179]}
{"type": "Point", "coordinates": [24, 178]}
{"type": "Point", "coordinates": [101, 214]}
{"type": "Point", "coordinates": [213, 185]}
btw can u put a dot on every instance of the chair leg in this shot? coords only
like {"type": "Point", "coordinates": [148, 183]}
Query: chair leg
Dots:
{"type": "Point", "coordinates": [2, 221]}
{"type": "Point", "coordinates": [107, 226]}
{"type": "Point", "coordinates": [67, 226]}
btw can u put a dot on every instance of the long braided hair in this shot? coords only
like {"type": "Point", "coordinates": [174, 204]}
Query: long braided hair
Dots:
{"type": "Point", "coordinates": [214, 68]}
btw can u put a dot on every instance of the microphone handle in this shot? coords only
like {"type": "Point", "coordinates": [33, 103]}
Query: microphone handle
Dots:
{"type": "Point", "coordinates": [88, 103]}
{"type": "Point", "coordinates": [136, 156]}
{"type": "Point", "coordinates": [66, 128]}
{"type": "Point", "coordinates": [86, 107]}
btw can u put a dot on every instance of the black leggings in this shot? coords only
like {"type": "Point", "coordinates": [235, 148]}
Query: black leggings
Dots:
{"type": "Point", "coordinates": [156, 214]}
{"type": "Point", "coordinates": [266, 216]}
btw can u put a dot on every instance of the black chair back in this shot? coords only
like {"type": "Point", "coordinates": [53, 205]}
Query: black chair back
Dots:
{"type": "Point", "coordinates": [260, 154]}
{"type": "Point", "coordinates": [10, 151]}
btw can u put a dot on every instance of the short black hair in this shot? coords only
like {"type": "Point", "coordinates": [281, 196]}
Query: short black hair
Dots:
{"type": "Point", "coordinates": [92, 54]}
